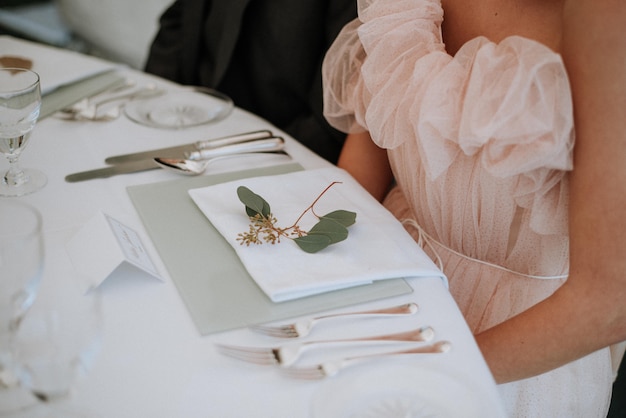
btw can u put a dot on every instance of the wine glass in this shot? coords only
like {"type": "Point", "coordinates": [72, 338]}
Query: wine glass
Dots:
{"type": "Point", "coordinates": [20, 102]}
{"type": "Point", "coordinates": [58, 341]}
{"type": "Point", "coordinates": [21, 263]}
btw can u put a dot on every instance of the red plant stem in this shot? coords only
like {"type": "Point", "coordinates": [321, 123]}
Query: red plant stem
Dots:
{"type": "Point", "coordinates": [310, 208]}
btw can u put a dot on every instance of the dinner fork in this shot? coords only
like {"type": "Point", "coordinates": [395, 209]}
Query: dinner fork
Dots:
{"type": "Point", "coordinates": [302, 327]}
{"type": "Point", "coordinates": [331, 368]}
{"type": "Point", "coordinates": [288, 354]}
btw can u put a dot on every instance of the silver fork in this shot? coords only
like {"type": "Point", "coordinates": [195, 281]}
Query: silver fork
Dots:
{"type": "Point", "coordinates": [303, 327]}
{"type": "Point", "coordinates": [288, 354]}
{"type": "Point", "coordinates": [70, 111]}
{"type": "Point", "coordinates": [91, 109]}
{"type": "Point", "coordinates": [331, 368]}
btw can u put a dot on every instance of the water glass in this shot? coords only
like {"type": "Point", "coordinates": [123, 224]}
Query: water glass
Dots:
{"type": "Point", "coordinates": [21, 263]}
{"type": "Point", "coordinates": [60, 336]}
{"type": "Point", "coordinates": [20, 103]}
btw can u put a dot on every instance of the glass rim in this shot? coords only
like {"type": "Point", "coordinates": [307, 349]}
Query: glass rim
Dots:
{"type": "Point", "coordinates": [22, 70]}
{"type": "Point", "coordinates": [33, 210]}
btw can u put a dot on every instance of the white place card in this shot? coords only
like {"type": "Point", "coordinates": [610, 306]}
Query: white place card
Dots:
{"type": "Point", "coordinates": [104, 246]}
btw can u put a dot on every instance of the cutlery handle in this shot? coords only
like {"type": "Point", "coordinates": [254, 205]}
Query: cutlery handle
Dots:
{"type": "Point", "coordinates": [233, 139]}
{"type": "Point", "coordinates": [262, 145]}
{"type": "Point", "coordinates": [419, 334]}
{"type": "Point", "coordinates": [288, 354]}
{"type": "Point", "coordinates": [332, 367]}
{"type": "Point", "coordinates": [405, 309]}
{"type": "Point", "coordinates": [142, 93]}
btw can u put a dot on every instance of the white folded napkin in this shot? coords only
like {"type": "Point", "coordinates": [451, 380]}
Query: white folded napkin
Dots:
{"type": "Point", "coordinates": [377, 247]}
{"type": "Point", "coordinates": [55, 66]}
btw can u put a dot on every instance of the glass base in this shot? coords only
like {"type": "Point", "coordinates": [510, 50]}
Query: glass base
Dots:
{"type": "Point", "coordinates": [35, 181]}
{"type": "Point", "coordinates": [15, 401]}
{"type": "Point", "coordinates": [47, 410]}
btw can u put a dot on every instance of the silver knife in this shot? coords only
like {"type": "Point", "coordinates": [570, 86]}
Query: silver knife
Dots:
{"type": "Point", "coordinates": [181, 150]}
{"type": "Point", "coordinates": [123, 168]}
{"type": "Point", "coordinates": [275, 144]}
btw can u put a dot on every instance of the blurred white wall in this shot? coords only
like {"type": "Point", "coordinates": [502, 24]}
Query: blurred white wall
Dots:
{"type": "Point", "coordinates": [34, 20]}
{"type": "Point", "coordinates": [119, 30]}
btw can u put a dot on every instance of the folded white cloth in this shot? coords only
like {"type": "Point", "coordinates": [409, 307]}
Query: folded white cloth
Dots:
{"type": "Point", "coordinates": [377, 247]}
{"type": "Point", "coordinates": [55, 66]}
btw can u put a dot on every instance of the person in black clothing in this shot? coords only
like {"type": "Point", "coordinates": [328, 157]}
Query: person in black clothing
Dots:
{"type": "Point", "coordinates": [265, 54]}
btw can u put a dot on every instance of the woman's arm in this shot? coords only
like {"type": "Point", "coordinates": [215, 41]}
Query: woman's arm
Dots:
{"type": "Point", "coordinates": [367, 163]}
{"type": "Point", "coordinates": [589, 311]}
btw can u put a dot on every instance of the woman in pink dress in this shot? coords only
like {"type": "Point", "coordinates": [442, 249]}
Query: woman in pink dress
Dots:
{"type": "Point", "coordinates": [473, 116]}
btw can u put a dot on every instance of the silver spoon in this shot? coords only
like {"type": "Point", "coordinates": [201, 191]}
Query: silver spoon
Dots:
{"type": "Point", "coordinates": [197, 162]}
{"type": "Point", "coordinates": [183, 166]}
{"type": "Point", "coordinates": [188, 167]}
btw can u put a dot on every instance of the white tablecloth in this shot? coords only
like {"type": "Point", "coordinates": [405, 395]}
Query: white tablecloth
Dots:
{"type": "Point", "coordinates": [153, 362]}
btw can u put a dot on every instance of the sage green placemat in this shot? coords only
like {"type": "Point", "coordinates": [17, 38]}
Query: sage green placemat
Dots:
{"type": "Point", "coordinates": [69, 94]}
{"type": "Point", "coordinates": [216, 288]}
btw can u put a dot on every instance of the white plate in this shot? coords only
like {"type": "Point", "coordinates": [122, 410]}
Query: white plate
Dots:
{"type": "Point", "coordinates": [181, 109]}
{"type": "Point", "coordinates": [397, 391]}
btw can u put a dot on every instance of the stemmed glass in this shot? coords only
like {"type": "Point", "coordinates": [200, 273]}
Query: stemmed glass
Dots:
{"type": "Point", "coordinates": [58, 341]}
{"type": "Point", "coordinates": [20, 102]}
{"type": "Point", "coordinates": [21, 264]}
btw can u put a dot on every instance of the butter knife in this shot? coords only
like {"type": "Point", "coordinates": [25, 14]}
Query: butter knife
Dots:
{"type": "Point", "coordinates": [182, 150]}
{"type": "Point", "coordinates": [274, 144]}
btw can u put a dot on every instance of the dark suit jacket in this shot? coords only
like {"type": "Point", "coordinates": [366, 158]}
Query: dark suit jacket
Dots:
{"type": "Point", "coordinates": [265, 54]}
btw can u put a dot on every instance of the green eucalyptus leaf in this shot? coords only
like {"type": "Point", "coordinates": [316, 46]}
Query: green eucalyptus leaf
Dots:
{"type": "Point", "coordinates": [344, 217]}
{"type": "Point", "coordinates": [332, 229]}
{"type": "Point", "coordinates": [254, 203]}
{"type": "Point", "coordinates": [313, 243]}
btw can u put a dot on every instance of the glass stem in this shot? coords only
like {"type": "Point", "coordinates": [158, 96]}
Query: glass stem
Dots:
{"type": "Point", "coordinates": [15, 176]}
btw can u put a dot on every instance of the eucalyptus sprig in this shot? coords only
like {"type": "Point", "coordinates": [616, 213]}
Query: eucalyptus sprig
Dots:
{"type": "Point", "coordinates": [330, 228]}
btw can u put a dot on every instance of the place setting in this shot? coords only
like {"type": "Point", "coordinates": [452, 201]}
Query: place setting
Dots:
{"type": "Point", "coordinates": [90, 89]}
{"type": "Point", "coordinates": [275, 281]}
{"type": "Point", "coordinates": [281, 228]}
{"type": "Point", "coordinates": [221, 257]}
{"type": "Point", "coordinates": [151, 105]}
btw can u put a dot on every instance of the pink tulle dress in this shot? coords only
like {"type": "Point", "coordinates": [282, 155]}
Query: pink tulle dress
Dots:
{"type": "Point", "coordinates": [480, 145]}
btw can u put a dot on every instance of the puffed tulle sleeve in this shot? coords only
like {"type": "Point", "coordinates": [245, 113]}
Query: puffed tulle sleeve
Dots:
{"type": "Point", "coordinates": [509, 103]}
{"type": "Point", "coordinates": [346, 94]}
{"type": "Point", "coordinates": [345, 97]}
